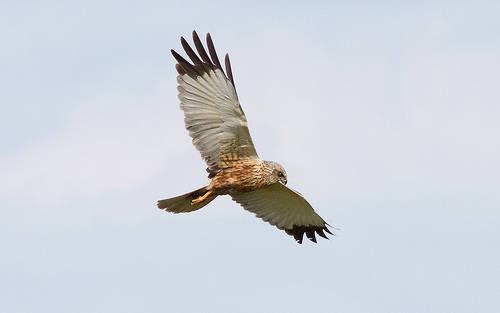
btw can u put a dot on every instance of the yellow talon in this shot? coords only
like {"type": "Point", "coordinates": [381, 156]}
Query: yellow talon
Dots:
{"type": "Point", "coordinates": [201, 198]}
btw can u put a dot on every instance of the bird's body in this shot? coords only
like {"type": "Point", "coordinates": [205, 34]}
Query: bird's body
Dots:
{"type": "Point", "coordinates": [251, 176]}
{"type": "Point", "coordinates": [218, 126]}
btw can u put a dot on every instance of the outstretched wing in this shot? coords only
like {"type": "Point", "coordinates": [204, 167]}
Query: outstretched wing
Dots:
{"type": "Point", "coordinates": [213, 114]}
{"type": "Point", "coordinates": [284, 208]}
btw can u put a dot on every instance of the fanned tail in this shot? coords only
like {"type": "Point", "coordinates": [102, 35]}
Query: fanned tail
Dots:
{"type": "Point", "coordinates": [188, 202]}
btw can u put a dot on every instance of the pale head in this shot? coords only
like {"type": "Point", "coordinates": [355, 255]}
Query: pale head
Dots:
{"type": "Point", "coordinates": [276, 172]}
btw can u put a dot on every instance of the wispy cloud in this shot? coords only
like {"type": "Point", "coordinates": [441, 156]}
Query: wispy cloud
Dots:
{"type": "Point", "coordinates": [111, 143]}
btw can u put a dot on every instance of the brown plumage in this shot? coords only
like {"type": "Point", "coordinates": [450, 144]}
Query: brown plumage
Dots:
{"type": "Point", "coordinates": [218, 126]}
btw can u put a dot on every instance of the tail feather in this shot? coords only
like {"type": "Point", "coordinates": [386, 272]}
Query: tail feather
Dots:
{"type": "Point", "coordinates": [183, 203]}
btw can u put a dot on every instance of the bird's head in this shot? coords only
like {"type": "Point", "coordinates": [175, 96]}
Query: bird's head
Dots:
{"type": "Point", "coordinates": [278, 173]}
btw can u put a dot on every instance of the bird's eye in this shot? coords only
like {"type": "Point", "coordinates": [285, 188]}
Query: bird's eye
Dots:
{"type": "Point", "coordinates": [280, 174]}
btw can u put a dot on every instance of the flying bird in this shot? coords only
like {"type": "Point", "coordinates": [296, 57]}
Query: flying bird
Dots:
{"type": "Point", "coordinates": [218, 126]}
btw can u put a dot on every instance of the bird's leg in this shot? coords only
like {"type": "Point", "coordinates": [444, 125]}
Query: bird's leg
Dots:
{"type": "Point", "coordinates": [201, 198]}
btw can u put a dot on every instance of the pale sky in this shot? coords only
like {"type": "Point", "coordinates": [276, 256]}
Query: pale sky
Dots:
{"type": "Point", "coordinates": [386, 118]}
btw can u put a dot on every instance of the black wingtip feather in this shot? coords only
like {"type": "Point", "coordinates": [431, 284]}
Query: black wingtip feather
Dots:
{"type": "Point", "coordinates": [208, 61]}
{"type": "Point", "coordinates": [298, 232]}
{"type": "Point", "coordinates": [191, 54]}
{"type": "Point", "coordinates": [183, 66]}
{"type": "Point", "coordinates": [201, 50]}
{"type": "Point", "coordinates": [327, 230]}
{"type": "Point", "coordinates": [228, 69]}
{"type": "Point", "coordinates": [321, 233]}
{"type": "Point", "coordinates": [179, 69]}
{"type": "Point", "coordinates": [310, 234]}
{"type": "Point", "coordinates": [212, 52]}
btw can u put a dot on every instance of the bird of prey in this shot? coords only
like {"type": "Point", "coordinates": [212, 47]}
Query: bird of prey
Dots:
{"type": "Point", "coordinates": [218, 126]}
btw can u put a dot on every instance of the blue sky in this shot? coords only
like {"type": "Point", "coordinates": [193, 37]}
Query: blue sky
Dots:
{"type": "Point", "coordinates": [384, 115]}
